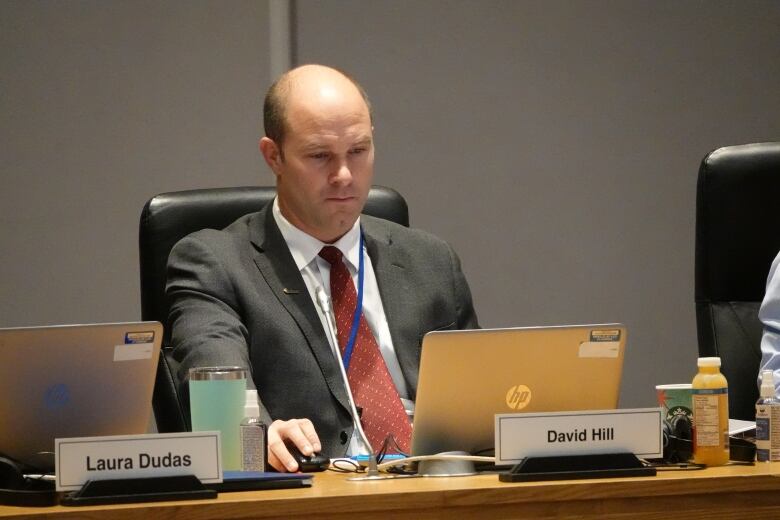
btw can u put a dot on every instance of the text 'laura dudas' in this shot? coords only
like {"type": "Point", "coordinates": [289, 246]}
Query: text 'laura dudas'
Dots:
{"type": "Point", "coordinates": [144, 461]}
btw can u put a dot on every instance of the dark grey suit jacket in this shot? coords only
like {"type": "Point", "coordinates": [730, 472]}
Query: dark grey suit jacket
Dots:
{"type": "Point", "coordinates": [237, 298]}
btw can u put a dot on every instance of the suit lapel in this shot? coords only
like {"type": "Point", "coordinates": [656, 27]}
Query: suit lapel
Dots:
{"type": "Point", "coordinates": [277, 266]}
{"type": "Point", "coordinates": [389, 269]}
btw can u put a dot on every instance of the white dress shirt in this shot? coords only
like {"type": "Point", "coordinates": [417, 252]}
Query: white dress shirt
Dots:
{"type": "Point", "coordinates": [315, 270]}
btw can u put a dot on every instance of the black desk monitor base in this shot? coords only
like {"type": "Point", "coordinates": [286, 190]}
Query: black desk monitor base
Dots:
{"type": "Point", "coordinates": [125, 491]}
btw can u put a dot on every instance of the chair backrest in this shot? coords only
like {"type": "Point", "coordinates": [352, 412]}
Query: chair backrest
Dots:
{"type": "Point", "coordinates": [737, 237]}
{"type": "Point", "coordinates": [169, 217]}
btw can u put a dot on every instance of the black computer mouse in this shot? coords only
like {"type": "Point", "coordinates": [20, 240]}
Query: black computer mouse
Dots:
{"type": "Point", "coordinates": [314, 462]}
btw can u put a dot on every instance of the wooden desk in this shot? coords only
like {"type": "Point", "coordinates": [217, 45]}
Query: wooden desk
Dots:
{"type": "Point", "coordinates": [729, 492]}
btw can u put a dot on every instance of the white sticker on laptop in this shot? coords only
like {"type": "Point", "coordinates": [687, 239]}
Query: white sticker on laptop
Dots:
{"type": "Point", "coordinates": [133, 351]}
{"type": "Point", "coordinates": [599, 349]}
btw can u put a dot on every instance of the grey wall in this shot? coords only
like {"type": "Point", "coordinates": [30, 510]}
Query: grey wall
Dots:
{"type": "Point", "coordinates": [103, 105]}
{"type": "Point", "coordinates": [555, 144]}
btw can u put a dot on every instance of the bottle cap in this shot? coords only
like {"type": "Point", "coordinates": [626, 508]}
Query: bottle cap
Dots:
{"type": "Point", "coordinates": [709, 362]}
{"type": "Point", "coordinates": [251, 406]}
{"type": "Point", "coordinates": [767, 383]}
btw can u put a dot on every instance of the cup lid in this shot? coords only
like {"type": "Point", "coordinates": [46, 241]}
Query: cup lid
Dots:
{"type": "Point", "coordinates": [217, 373]}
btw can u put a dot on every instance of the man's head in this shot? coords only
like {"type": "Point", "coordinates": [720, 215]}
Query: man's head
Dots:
{"type": "Point", "coordinates": [319, 144]}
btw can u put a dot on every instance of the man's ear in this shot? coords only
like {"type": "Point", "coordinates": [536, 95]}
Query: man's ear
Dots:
{"type": "Point", "coordinates": [271, 153]}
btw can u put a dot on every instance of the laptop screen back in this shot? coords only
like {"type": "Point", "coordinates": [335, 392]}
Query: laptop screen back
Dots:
{"type": "Point", "coordinates": [466, 377]}
{"type": "Point", "coordinates": [73, 381]}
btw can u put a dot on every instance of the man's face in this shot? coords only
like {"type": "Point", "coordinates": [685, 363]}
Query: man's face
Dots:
{"type": "Point", "coordinates": [326, 166]}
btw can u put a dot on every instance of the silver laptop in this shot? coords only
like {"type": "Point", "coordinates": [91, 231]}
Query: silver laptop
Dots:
{"type": "Point", "coordinates": [466, 377]}
{"type": "Point", "coordinates": [73, 381]}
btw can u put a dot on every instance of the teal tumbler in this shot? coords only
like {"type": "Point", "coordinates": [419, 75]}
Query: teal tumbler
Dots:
{"type": "Point", "coordinates": [217, 396]}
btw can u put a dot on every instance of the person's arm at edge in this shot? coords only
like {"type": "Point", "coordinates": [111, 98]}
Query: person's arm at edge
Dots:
{"type": "Point", "coordinates": [769, 314]}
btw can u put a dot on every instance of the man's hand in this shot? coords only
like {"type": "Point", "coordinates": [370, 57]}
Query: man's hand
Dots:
{"type": "Point", "coordinates": [297, 432]}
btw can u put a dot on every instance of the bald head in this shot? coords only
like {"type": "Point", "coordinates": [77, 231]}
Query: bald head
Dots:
{"type": "Point", "coordinates": [319, 144]}
{"type": "Point", "coordinates": [304, 84]}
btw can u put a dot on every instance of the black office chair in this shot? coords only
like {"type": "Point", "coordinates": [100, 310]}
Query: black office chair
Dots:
{"type": "Point", "coordinates": [737, 237]}
{"type": "Point", "coordinates": [169, 217]}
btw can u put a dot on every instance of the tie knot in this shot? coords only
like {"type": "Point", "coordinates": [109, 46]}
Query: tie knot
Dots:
{"type": "Point", "coordinates": [331, 254]}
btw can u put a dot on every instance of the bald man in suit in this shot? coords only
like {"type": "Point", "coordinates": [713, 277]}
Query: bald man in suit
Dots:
{"type": "Point", "coordinates": [245, 295]}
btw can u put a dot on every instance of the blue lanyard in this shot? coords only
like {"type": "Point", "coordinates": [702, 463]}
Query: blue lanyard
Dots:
{"type": "Point", "coordinates": [347, 357]}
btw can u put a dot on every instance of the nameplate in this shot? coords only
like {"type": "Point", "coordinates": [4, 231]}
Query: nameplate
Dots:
{"type": "Point", "coordinates": [522, 435]}
{"type": "Point", "coordinates": [80, 459]}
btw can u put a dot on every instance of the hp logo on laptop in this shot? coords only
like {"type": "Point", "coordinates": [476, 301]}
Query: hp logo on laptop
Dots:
{"type": "Point", "coordinates": [518, 397]}
{"type": "Point", "coordinates": [56, 396]}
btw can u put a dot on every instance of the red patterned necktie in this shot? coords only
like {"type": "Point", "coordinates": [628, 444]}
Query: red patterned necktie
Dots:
{"type": "Point", "coordinates": [372, 387]}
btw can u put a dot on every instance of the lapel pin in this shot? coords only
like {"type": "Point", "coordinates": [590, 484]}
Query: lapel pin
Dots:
{"type": "Point", "coordinates": [291, 291]}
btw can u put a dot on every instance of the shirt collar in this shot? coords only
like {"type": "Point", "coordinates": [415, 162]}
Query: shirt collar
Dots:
{"type": "Point", "coordinates": [305, 248]}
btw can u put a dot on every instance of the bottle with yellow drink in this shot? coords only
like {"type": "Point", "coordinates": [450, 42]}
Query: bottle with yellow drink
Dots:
{"type": "Point", "coordinates": [710, 414]}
